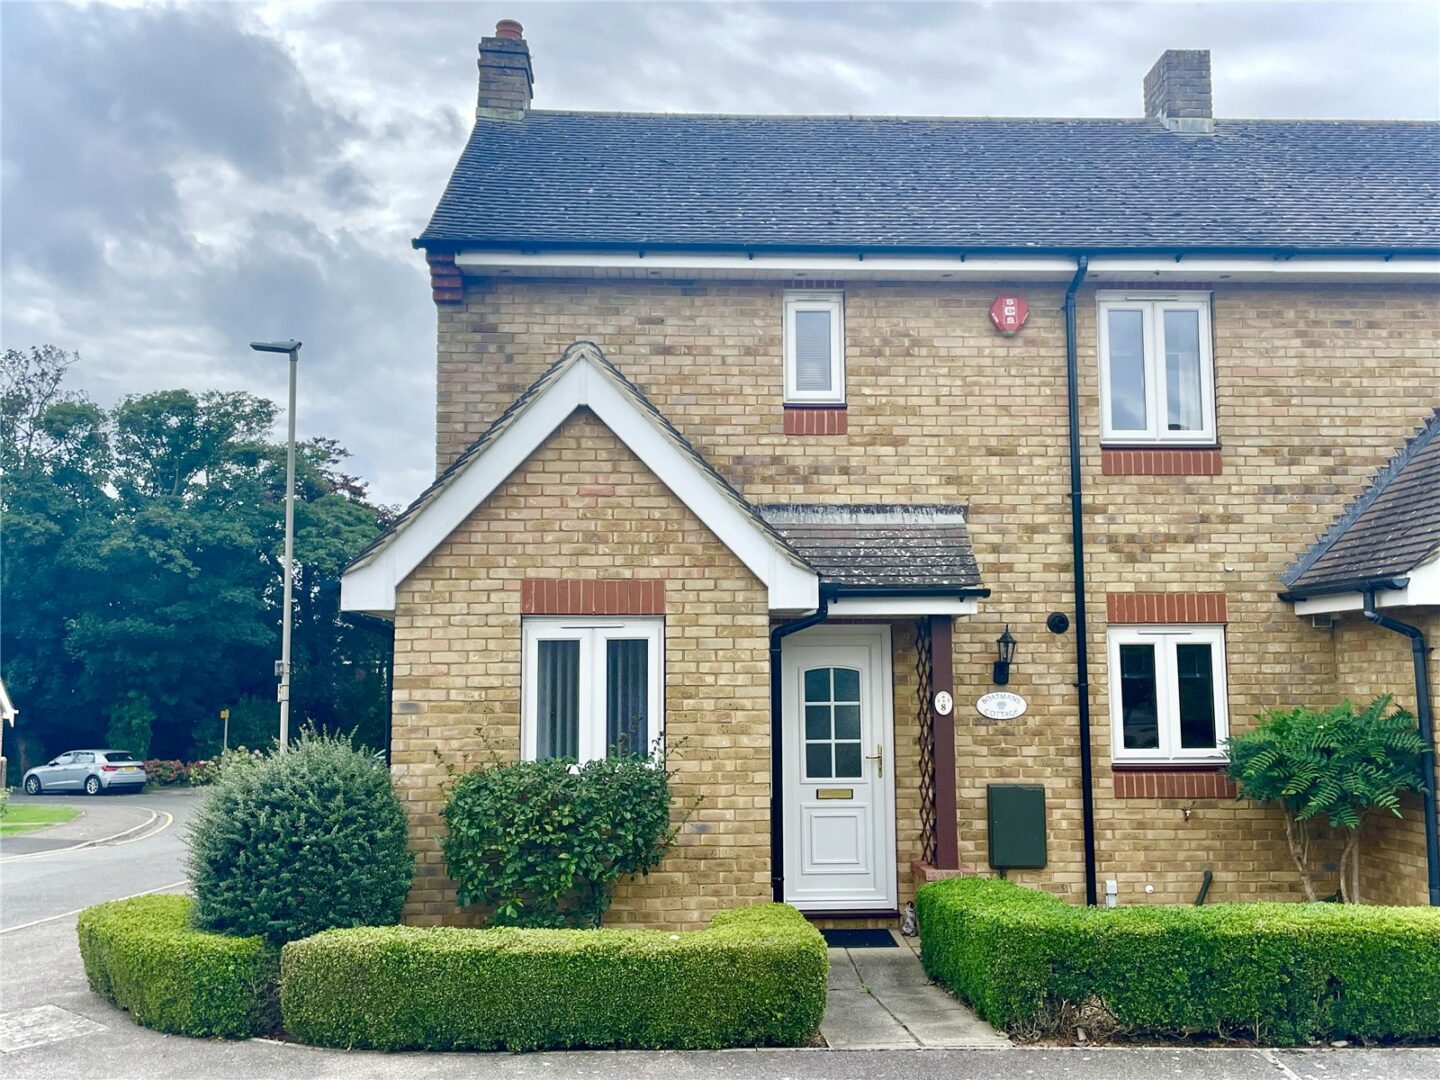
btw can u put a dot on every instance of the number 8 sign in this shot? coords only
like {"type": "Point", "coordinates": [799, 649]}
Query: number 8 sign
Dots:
{"type": "Point", "coordinates": [1008, 313]}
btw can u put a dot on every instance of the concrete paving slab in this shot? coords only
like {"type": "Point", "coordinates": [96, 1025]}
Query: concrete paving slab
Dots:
{"type": "Point", "coordinates": [906, 1009]}
{"type": "Point", "coordinates": [855, 1020]}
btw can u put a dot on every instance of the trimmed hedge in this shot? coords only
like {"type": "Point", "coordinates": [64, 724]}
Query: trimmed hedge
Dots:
{"type": "Point", "coordinates": [144, 956]}
{"type": "Point", "coordinates": [1279, 973]}
{"type": "Point", "coordinates": [755, 977]}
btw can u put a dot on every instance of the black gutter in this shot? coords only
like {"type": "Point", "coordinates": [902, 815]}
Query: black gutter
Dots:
{"type": "Point", "coordinates": [777, 733]}
{"type": "Point", "coordinates": [454, 244]}
{"type": "Point", "coordinates": [1077, 556]}
{"type": "Point", "coordinates": [1336, 588]}
{"type": "Point", "coordinates": [1419, 650]}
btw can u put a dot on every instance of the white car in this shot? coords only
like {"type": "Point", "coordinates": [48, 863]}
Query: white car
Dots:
{"type": "Point", "coordinates": [90, 771]}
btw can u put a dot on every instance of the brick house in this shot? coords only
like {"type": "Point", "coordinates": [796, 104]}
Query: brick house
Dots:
{"type": "Point", "coordinates": [761, 434]}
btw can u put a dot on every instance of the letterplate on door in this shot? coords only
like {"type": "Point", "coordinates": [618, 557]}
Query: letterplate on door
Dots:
{"type": "Point", "coordinates": [835, 793]}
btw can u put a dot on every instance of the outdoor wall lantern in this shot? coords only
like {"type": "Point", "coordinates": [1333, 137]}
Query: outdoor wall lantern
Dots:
{"type": "Point", "coordinates": [1003, 658]}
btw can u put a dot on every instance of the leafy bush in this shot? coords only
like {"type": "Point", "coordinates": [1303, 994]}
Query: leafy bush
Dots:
{"type": "Point", "coordinates": [163, 772]}
{"type": "Point", "coordinates": [542, 843]}
{"type": "Point", "coordinates": [143, 955]}
{"type": "Point", "coordinates": [1336, 764]}
{"type": "Point", "coordinates": [298, 842]}
{"type": "Point", "coordinates": [755, 977]}
{"type": "Point", "coordinates": [1279, 973]}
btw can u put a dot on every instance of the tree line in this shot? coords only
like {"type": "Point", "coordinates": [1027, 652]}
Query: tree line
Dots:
{"type": "Point", "coordinates": [141, 565]}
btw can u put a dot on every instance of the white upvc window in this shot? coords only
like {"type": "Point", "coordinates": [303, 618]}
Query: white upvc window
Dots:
{"type": "Point", "coordinates": [1167, 693]}
{"type": "Point", "coordinates": [591, 687]}
{"type": "Point", "coordinates": [814, 347]}
{"type": "Point", "coordinates": [1157, 370]}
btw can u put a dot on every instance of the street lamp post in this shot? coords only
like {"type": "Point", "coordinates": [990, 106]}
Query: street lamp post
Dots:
{"type": "Point", "coordinates": [292, 348]}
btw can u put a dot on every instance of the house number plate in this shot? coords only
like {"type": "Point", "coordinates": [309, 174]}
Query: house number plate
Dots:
{"type": "Point", "coordinates": [1001, 705]}
{"type": "Point", "coordinates": [944, 703]}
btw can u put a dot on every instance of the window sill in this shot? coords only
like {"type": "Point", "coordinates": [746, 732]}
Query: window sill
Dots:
{"type": "Point", "coordinates": [1207, 780]}
{"type": "Point", "coordinates": [816, 419]}
{"type": "Point", "coordinates": [1153, 460]}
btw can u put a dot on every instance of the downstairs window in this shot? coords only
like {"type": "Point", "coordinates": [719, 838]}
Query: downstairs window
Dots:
{"type": "Point", "coordinates": [591, 687]}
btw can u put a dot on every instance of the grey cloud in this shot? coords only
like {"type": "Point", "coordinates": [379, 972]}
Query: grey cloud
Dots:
{"type": "Point", "coordinates": [329, 131]}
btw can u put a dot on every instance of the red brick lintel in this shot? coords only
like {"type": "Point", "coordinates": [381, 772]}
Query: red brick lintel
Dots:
{"type": "Point", "coordinates": [1160, 461]}
{"type": "Point", "coordinates": [816, 420]}
{"type": "Point", "coordinates": [554, 596]}
{"type": "Point", "coordinates": [1165, 608]}
{"type": "Point", "coordinates": [1173, 782]}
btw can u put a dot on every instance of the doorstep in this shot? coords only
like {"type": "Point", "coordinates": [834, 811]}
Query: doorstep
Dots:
{"type": "Point", "coordinates": [881, 999]}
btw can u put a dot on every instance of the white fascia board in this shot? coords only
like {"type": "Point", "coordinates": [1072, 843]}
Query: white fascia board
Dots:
{"type": "Point", "coordinates": [846, 607]}
{"type": "Point", "coordinates": [371, 586]}
{"type": "Point", "coordinates": [1422, 591]}
{"type": "Point", "coordinates": [971, 267]}
{"type": "Point", "coordinates": [742, 265]}
{"type": "Point", "coordinates": [1262, 268]}
{"type": "Point", "coordinates": [8, 711]}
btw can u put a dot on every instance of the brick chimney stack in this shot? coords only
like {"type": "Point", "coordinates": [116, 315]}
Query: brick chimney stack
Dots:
{"type": "Point", "coordinates": [505, 75]}
{"type": "Point", "coordinates": [1177, 91]}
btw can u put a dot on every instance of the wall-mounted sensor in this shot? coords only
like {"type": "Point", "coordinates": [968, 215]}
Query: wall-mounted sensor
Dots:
{"type": "Point", "coordinates": [1057, 622]}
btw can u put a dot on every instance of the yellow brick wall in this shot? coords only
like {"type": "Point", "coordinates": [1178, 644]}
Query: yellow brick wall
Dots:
{"type": "Point", "coordinates": [1316, 386]}
{"type": "Point", "coordinates": [1371, 661]}
{"type": "Point", "coordinates": [584, 507]}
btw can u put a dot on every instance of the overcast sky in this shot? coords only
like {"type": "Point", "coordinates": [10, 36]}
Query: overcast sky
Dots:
{"type": "Point", "coordinates": [178, 180]}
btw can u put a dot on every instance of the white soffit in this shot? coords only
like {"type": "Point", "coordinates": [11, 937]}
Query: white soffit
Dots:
{"type": "Point", "coordinates": [797, 268]}
{"type": "Point", "coordinates": [1422, 591]}
{"type": "Point", "coordinates": [370, 585]}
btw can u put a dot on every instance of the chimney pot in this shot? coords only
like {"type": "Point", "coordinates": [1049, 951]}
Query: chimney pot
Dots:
{"type": "Point", "coordinates": [506, 78]}
{"type": "Point", "coordinates": [1177, 91]}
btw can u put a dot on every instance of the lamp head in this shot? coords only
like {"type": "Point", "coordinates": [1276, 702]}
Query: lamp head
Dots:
{"type": "Point", "coordinates": [276, 346]}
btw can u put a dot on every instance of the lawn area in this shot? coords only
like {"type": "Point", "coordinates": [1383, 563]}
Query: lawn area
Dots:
{"type": "Point", "coordinates": [20, 819]}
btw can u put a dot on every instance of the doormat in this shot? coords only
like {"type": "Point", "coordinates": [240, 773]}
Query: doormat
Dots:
{"type": "Point", "coordinates": [859, 939]}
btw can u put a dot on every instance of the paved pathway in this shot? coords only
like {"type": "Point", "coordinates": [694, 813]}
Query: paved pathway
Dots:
{"type": "Point", "coordinates": [881, 999]}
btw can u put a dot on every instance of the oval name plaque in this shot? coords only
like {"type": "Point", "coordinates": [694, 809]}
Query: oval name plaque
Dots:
{"type": "Point", "coordinates": [1001, 705]}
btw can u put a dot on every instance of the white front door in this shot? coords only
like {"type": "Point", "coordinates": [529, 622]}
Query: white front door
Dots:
{"type": "Point", "coordinates": [838, 758]}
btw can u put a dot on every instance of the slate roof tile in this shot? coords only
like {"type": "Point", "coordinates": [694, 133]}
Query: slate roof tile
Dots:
{"type": "Point", "coordinates": [1393, 527]}
{"type": "Point", "coordinates": [878, 546]}
{"type": "Point", "coordinates": [941, 183]}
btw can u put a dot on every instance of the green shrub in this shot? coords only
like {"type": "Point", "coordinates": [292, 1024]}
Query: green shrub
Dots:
{"type": "Point", "coordinates": [143, 955]}
{"type": "Point", "coordinates": [755, 977]}
{"type": "Point", "coordinates": [298, 842]}
{"type": "Point", "coordinates": [1336, 765]}
{"type": "Point", "coordinates": [542, 843]}
{"type": "Point", "coordinates": [1280, 973]}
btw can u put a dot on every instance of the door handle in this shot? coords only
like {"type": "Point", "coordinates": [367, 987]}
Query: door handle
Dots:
{"type": "Point", "coordinates": [879, 757]}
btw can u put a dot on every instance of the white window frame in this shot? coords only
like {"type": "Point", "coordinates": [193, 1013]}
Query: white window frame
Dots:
{"type": "Point", "coordinates": [1152, 307]}
{"type": "Point", "coordinates": [815, 300]}
{"type": "Point", "coordinates": [592, 632]}
{"type": "Point", "coordinates": [1167, 694]}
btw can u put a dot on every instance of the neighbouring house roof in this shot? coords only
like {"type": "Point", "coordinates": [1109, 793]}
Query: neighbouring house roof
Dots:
{"type": "Point", "coordinates": [1392, 528]}
{"type": "Point", "coordinates": [581, 179]}
{"type": "Point", "coordinates": [879, 547]}
{"type": "Point", "coordinates": [8, 711]}
{"type": "Point", "coordinates": [581, 378]}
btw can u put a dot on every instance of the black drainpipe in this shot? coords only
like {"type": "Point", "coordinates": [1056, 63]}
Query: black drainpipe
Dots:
{"type": "Point", "coordinates": [1419, 650]}
{"type": "Point", "coordinates": [1077, 558]}
{"type": "Point", "coordinates": [777, 764]}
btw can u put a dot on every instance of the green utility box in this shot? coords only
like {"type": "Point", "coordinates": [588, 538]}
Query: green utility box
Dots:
{"type": "Point", "coordinates": [1017, 826]}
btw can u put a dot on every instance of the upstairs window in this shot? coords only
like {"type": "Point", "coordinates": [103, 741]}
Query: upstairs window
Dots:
{"type": "Point", "coordinates": [1157, 374]}
{"type": "Point", "coordinates": [591, 687]}
{"type": "Point", "coordinates": [1167, 693]}
{"type": "Point", "coordinates": [814, 348]}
